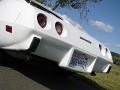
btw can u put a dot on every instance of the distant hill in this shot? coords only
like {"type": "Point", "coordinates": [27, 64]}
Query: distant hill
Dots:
{"type": "Point", "coordinates": [116, 58]}
{"type": "Point", "coordinates": [115, 54]}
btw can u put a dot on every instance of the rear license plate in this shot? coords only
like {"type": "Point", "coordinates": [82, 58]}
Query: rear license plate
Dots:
{"type": "Point", "coordinates": [78, 61]}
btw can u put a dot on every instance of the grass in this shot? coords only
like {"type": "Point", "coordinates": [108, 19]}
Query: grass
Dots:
{"type": "Point", "coordinates": [109, 81]}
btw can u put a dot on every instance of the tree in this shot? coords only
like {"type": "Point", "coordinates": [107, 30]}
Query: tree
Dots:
{"type": "Point", "coordinates": [81, 5]}
{"type": "Point", "coordinates": [116, 58]}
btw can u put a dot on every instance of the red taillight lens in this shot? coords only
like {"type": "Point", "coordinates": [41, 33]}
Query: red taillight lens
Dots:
{"type": "Point", "coordinates": [9, 29]}
{"type": "Point", "coordinates": [59, 28]}
{"type": "Point", "coordinates": [42, 20]}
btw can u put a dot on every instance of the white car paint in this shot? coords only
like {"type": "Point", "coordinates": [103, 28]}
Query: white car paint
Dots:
{"type": "Point", "coordinates": [22, 16]}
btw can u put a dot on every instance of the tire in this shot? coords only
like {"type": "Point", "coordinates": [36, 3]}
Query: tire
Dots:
{"type": "Point", "coordinates": [3, 56]}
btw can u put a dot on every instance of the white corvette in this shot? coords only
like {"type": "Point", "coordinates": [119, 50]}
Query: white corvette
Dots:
{"type": "Point", "coordinates": [28, 26]}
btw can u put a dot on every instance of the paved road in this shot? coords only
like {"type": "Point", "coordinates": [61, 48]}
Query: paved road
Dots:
{"type": "Point", "coordinates": [17, 75]}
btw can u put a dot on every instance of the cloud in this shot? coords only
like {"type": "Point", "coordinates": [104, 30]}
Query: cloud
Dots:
{"type": "Point", "coordinates": [118, 45]}
{"type": "Point", "coordinates": [75, 24]}
{"type": "Point", "coordinates": [102, 26]}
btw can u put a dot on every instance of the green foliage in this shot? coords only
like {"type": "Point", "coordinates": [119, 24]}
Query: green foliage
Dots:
{"type": "Point", "coordinates": [109, 81]}
{"type": "Point", "coordinates": [116, 58]}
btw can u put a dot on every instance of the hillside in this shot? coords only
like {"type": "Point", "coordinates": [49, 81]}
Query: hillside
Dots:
{"type": "Point", "coordinates": [115, 54]}
{"type": "Point", "coordinates": [109, 81]}
{"type": "Point", "coordinates": [116, 58]}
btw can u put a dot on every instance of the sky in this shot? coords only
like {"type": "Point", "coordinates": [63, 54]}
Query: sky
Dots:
{"type": "Point", "coordinates": [103, 22]}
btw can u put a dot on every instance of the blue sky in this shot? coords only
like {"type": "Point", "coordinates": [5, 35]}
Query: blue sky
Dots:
{"type": "Point", "coordinates": [103, 22]}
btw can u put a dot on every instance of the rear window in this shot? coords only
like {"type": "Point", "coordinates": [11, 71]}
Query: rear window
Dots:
{"type": "Point", "coordinates": [38, 5]}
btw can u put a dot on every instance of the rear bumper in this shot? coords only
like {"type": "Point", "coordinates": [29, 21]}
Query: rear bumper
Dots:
{"type": "Point", "coordinates": [62, 53]}
{"type": "Point", "coordinates": [93, 63]}
{"type": "Point", "coordinates": [29, 44]}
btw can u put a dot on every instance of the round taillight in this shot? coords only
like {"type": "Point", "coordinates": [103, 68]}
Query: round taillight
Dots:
{"type": "Point", "coordinates": [100, 47]}
{"type": "Point", "coordinates": [108, 53]}
{"type": "Point", "coordinates": [102, 50]}
{"type": "Point", "coordinates": [42, 20]}
{"type": "Point", "coordinates": [59, 28]}
{"type": "Point", "coordinates": [106, 50]}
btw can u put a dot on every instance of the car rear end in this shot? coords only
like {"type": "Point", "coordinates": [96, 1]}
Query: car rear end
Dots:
{"type": "Point", "coordinates": [41, 32]}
